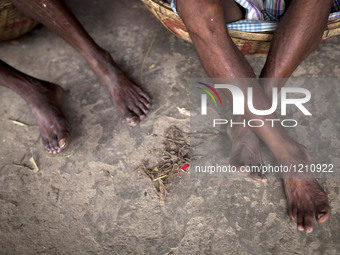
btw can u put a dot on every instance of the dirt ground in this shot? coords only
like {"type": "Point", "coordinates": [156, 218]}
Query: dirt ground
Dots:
{"type": "Point", "coordinates": [90, 200]}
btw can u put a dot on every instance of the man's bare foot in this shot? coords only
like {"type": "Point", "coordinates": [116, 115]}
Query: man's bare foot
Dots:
{"type": "Point", "coordinates": [245, 151]}
{"type": "Point", "coordinates": [45, 105]}
{"type": "Point", "coordinates": [306, 198]}
{"type": "Point", "coordinates": [131, 101]}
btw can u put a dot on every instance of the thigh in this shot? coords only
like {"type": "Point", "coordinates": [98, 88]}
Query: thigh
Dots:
{"type": "Point", "coordinates": [232, 11]}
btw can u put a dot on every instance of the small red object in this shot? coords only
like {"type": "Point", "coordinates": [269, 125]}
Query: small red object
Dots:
{"type": "Point", "coordinates": [184, 167]}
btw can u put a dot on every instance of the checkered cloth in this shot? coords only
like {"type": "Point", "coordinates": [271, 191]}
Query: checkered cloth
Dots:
{"type": "Point", "coordinates": [263, 16]}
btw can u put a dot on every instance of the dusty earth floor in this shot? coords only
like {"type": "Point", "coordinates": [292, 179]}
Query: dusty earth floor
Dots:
{"type": "Point", "coordinates": [91, 201]}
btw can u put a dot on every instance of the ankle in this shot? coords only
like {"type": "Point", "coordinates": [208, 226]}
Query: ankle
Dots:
{"type": "Point", "coordinates": [269, 83]}
{"type": "Point", "coordinates": [292, 153]}
{"type": "Point", "coordinates": [103, 65]}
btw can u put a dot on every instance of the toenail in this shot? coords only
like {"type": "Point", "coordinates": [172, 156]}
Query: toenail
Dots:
{"type": "Point", "coordinates": [132, 122]}
{"type": "Point", "coordinates": [308, 230]}
{"type": "Point", "coordinates": [62, 143]}
{"type": "Point", "coordinates": [320, 215]}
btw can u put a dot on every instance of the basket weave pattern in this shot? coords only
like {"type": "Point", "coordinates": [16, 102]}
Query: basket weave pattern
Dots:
{"type": "Point", "coordinates": [256, 44]}
{"type": "Point", "coordinates": [13, 23]}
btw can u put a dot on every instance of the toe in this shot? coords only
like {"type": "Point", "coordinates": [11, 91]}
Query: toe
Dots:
{"type": "Point", "coordinates": [322, 213]}
{"type": "Point", "coordinates": [49, 148]}
{"type": "Point", "coordinates": [300, 222]}
{"type": "Point", "coordinates": [146, 103]}
{"type": "Point", "coordinates": [143, 94]}
{"type": "Point", "coordinates": [137, 111]}
{"type": "Point", "coordinates": [47, 145]}
{"type": "Point", "coordinates": [308, 223]}
{"type": "Point", "coordinates": [64, 141]}
{"type": "Point", "coordinates": [54, 145]}
{"type": "Point", "coordinates": [131, 119]}
{"type": "Point", "coordinates": [258, 176]}
{"type": "Point", "coordinates": [142, 107]}
{"type": "Point", "coordinates": [293, 213]}
{"type": "Point", "coordinates": [54, 150]}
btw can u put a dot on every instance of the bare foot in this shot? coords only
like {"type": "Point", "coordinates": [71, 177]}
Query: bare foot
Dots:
{"type": "Point", "coordinates": [245, 151]}
{"type": "Point", "coordinates": [131, 101]}
{"type": "Point", "coordinates": [306, 198]}
{"type": "Point", "coordinates": [45, 105]}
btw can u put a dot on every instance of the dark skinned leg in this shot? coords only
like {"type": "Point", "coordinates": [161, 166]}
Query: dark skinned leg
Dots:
{"type": "Point", "coordinates": [129, 99]}
{"type": "Point", "coordinates": [243, 151]}
{"type": "Point", "coordinates": [44, 100]}
{"type": "Point", "coordinates": [297, 35]}
{"type": "Point", "coordinates": [221, 59]}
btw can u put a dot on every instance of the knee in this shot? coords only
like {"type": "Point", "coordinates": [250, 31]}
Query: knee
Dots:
{"type": "Point", "coordinates": [198, 15]}
{"type": "Point", "coordinates": [312, 3]}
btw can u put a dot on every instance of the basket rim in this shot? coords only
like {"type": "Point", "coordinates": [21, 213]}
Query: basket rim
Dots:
{"type": "Point", "coordinates": [13, 23]}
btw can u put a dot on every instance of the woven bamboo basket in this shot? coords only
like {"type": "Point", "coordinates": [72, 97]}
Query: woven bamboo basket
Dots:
{"type": "Point", "coordinates": [13, 23]}
{"type": "Point", "coordinates": [255, 44]}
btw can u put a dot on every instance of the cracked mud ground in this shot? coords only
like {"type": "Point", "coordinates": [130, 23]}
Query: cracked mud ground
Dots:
{"type": "Point", "coordinates": [90, 201]}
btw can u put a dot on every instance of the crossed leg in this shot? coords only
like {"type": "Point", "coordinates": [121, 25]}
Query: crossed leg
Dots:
{"type": "Point", "coordinates": [131, 101]}
{"type": "Point", "coordinates": [297, 35]}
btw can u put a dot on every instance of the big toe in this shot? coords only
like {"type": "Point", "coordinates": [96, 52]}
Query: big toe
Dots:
{"type": "Point", "coordinates": [63, 142]}
{"type": "Point", "coordinates": [322, 213]}
{"type": "Point", "coordinates": [55, 145]}
{"type": "Point", "coordinates": [258, 176]}
{"type": "Point", "coordinates": [132, 119]}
